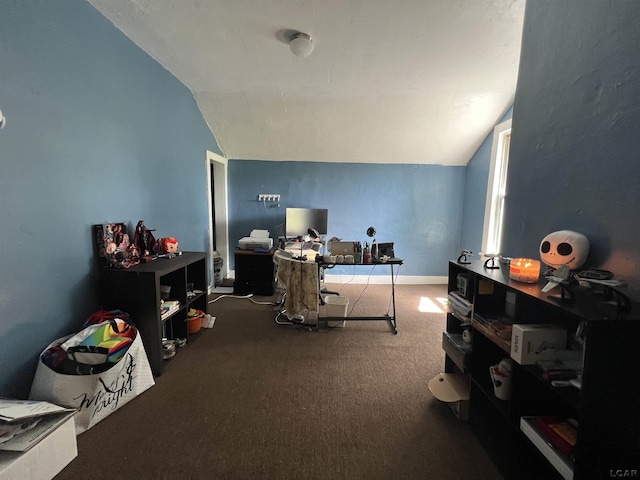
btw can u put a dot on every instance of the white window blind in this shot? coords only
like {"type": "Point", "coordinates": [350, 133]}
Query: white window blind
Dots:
{"type": "Point", "coordinates": [496, 189]}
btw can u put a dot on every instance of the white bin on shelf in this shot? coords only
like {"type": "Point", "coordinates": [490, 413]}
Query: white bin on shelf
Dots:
{"type": "Point", "coordinates": [336, 307]}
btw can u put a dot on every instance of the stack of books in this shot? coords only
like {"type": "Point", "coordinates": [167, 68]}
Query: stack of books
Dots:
{"type": "Point", "coordinates": [24, 423]}
{"type": "Point", "coordinates": [167, 307]}
{"type": "Point", "coordinates": [561, 433]}
{"type": "Point", "coordinates": [458, 304]}
{"type": "Point", "coordinates": [555, 438]}
{"type": "Point", "coordinates": [496, 327]}
{"type": "Point", "coordinates": [557, 371]}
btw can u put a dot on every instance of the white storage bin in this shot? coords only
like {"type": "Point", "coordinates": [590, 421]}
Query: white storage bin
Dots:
{"type": "Point", "coordinates": [336, 307]}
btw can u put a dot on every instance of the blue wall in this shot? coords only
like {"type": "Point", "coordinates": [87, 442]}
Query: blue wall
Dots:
{"type": "Point", "coordinates": [575, 144]}
{"type": "Point", "coordinates": [96, 132]}
{"type": "Point", "coordinates": [475, 196]}
{"type": "Point", "coordinates": [418, 207]}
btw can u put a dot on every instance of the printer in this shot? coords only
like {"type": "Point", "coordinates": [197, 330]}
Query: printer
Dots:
{"type": "Point", "coordinates": [257, 239]}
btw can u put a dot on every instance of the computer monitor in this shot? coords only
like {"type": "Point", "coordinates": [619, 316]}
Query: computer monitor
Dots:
{"type": "Point", "coordinates": [298, 221]}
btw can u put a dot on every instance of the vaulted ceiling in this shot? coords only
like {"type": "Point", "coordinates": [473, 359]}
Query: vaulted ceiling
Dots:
{"type": "Point", "coordinates": [402, 81]}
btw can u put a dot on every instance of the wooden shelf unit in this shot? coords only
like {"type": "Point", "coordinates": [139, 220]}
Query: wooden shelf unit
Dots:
{"type": "Point", "coordinates": [136, 290]}
{"type": "Point", "coordinates": [606, 406]}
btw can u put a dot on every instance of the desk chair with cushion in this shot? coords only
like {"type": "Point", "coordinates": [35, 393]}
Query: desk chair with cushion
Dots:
{"type": "Point", "coordinates": [310, 249]}
{"type": "Point", "coordinates": [301, 284]}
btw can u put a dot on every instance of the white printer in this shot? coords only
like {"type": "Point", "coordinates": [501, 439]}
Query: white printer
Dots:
{"type": "Point", "coordinates": [257, 239]}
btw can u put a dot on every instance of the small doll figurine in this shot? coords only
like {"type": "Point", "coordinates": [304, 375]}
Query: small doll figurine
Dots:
{"type": "Point", "coordinates": [463, 256]}
{"type": "Point", "coordinates": [143, 239]}
{"type": "Point", "coordinates": [167, 246]}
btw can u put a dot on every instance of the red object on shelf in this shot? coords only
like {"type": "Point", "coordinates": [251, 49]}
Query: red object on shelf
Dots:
{"type": "Point", "coordinates": [559, 432]}
{"type": "Point", "coordinates": [194, 321]}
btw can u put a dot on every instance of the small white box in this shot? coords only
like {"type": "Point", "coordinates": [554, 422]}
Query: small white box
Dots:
{"type": "Point", "coordinates": [530, 343]}
{"type": "Point", "coordinates": [45, 459]}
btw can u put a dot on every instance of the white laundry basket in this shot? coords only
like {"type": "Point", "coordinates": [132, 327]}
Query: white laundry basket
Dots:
{"type": "Point", "coordinates": [336, 307]}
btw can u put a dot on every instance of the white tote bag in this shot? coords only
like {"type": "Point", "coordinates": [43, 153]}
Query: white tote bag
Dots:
{"type": "Point", "coordinates": [94, 396]}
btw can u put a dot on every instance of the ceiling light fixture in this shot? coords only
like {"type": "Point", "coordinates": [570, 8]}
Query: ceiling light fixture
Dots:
{"type": "Point", "coordinates": [301, 44]}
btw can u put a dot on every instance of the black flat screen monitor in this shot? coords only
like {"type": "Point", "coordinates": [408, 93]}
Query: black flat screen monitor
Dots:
{"type": "Point", "coordinates": [299, 220]}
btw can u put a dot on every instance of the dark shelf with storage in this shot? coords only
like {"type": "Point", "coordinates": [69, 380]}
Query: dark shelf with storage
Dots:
{"type": "Point", "coordinates": [136, 290]}
{"type": "Point", "coordinates": [605, 406]}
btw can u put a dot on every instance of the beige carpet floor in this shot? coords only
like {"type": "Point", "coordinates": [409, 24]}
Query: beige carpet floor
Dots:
{"type": "Point", "coordinates": [252, 399]}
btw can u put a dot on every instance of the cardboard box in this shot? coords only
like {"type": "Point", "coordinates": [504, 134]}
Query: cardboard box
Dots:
{"type": "Point", "coordinates": [44, 457]}
{"type": "Point", "coordinates": [530, 343]}
{"type": "Point", "coordinates": [454, 389]}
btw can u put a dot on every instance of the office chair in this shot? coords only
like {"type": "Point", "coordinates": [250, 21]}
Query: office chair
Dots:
{"type": "Point", "coordinates": [313, 233]}
{"type": "Point", "coordinates": [301, 284]}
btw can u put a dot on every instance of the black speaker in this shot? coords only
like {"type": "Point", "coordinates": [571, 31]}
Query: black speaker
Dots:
{"type": "Point", "coordinates": [386, 249]}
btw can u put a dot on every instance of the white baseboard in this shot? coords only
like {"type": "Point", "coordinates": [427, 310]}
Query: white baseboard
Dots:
{"type": "Point", "coordinates": [385, 279]}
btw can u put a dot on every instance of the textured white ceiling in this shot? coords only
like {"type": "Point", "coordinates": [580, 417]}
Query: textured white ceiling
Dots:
{"type": "Point", "coordinates": [402, 81]}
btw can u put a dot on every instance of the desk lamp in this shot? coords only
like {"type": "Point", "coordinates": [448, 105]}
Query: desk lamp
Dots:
{"type": "Point", "coordinates": [313, 234]}
{"type": "Point", "coordinates": [371, 232]}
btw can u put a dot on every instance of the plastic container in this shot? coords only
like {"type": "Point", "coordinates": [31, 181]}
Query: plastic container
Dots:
{"type": "Point", "coordinates": [336, 307]}
{"type": "Point", "coordinates": [366, 254]}
{"type": "Point", "coordinates": [194, 325]}
{"type": "Point", "coordinates": [165, 292]}
{"type": "Point", "coordinates": [501, 378]}
{"type": "Point", "coordinates": [217, 269]}
{"type": "Point", "coordinates": [194, 321]}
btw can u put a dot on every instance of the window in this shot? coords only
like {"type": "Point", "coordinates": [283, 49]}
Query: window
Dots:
{"type": "Point", "coordinates": [496, 188]}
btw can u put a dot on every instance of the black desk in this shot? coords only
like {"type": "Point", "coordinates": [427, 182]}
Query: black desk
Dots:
{"type": "Point", "coordinates": [386, 317]}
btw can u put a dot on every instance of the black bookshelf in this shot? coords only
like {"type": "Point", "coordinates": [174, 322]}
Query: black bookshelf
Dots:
{"type": "Point", "coordinates": [606, 404]}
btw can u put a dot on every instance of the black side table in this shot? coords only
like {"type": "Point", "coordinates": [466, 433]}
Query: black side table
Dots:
{"type": "Point", "coordinates": [255, 272]}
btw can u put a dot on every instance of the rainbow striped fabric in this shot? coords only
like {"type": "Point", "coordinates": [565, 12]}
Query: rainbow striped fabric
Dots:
{"type": "Point", "coordinates": [115, 335]}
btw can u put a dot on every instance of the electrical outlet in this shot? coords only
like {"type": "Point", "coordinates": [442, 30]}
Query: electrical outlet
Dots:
{"type": "Point", "coordinates": [268, 197]}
